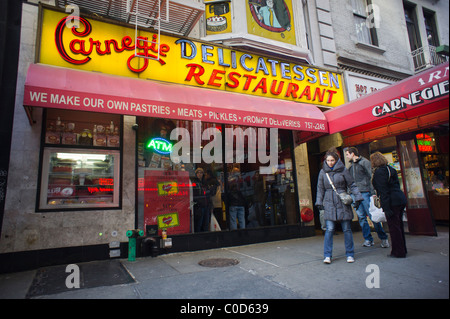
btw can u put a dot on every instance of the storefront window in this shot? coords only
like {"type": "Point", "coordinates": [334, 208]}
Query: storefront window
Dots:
{"type": "Point", "coordinates": [205, 190]}
{"type": "Point", "coordinates": [433, 150]}
{"type": "Point", "coordinates": [81, 161]}
{"type": "Point", "coordinates": [388, 147]}
{"type": "Point", "coordinates": [80, 178]}
{"type": "Point", "coordinates": [413, 180]}
{"type": "Point", "coordinates": [435, 162]}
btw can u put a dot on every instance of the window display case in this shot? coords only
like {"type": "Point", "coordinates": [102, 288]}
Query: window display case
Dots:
{"type": "Point", "coordinates": [80, 163]}
{"type": "Point", "coordinates": [79, 178]}
{"type": "Point", "coordinates": [78, 129]}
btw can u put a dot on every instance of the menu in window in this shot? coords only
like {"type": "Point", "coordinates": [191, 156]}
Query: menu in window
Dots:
{"type": "Point", "coordinates": [167, 201]}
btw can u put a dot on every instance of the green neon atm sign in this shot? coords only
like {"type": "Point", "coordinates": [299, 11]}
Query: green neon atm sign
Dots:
{"type": "Point", "coordinates": [160, 145]}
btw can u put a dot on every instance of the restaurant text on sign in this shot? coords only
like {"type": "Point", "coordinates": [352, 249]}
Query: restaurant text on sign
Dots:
{"type": "Point", "coordinates": [99, 46]}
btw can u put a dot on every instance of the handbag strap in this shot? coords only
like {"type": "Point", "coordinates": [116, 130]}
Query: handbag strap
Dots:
{"type": "Point", "coordinates": [389, 179]}
{"type": "Point", "coordinates": [332, 185]}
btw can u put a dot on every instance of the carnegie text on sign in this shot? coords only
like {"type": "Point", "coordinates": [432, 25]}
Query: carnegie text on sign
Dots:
{"type": "Point", "coordinates": [110, 49]}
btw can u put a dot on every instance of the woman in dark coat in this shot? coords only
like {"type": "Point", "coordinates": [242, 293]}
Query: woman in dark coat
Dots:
{"type": "Point", "coordinates": [393, 201]}
{"type": "Point", "coordinates": [202, 216]}
{"type": "Point", "coordinates": [335, 210]}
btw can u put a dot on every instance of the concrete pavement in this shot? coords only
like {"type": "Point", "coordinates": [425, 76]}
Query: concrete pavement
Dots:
{"type": "Point", "coordinates": [289, 269]}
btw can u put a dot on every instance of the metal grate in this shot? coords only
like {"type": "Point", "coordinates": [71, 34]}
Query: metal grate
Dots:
{"type": "Point", "coordinates": [184, 14]}
{"type": "Point", "coordinates": [426, 57]}
{"type": "Point", "coordinates": [218, 262]}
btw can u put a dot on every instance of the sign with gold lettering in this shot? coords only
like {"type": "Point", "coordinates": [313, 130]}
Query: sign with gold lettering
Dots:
{"type": "Point", "coordinates": [112, 49]}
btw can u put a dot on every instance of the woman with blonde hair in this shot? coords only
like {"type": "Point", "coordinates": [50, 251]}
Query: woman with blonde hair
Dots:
{"type": "Point", "coordinates": [393, 201]}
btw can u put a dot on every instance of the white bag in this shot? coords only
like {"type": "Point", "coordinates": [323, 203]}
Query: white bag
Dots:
{"type": "Point", "coordinates": [377, 214]}
{"type": "Point", "coordinates": [214, 225]}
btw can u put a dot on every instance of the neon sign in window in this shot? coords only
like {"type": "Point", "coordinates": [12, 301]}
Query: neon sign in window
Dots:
{"type": "Point", "coordinates": [424, 142]}
{"type": "Point", "coordinates": [160, 145]}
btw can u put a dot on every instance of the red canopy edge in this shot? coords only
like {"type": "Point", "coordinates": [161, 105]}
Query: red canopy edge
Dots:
{"type": "Point", "coordinates": [56, 87]}
{"type": "Point", "coordinates": [413, 124]}
{"type": "Point", "coordinates": [406, 101]}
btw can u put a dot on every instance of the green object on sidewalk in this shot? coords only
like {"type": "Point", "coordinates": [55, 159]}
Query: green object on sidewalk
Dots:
{"type": "Point", "coordinates": [132, 235]}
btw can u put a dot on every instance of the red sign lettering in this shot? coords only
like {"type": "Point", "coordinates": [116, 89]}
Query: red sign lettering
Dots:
{"type": "Point", "coordinates": [85, 48]}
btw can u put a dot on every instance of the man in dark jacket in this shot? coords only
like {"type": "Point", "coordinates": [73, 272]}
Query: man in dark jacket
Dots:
{"type": "Point", "coordinates": [235, 200]}
{"type": "Point", "coordinates": [361, 172]}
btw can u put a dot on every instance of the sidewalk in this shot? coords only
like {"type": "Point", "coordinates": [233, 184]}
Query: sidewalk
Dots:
{"type": "Point", "coordinates": [290, 269]}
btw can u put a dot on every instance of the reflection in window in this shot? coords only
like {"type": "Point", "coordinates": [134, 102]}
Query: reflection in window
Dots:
{"type": "Point", "coordinates": [365, 34]}
{"type": "Point", "coordinates": [413, 179]}
{"type": "Point", "coordinates": [205, 190]}
{"type": "Point", "coordinates": [79, 178]}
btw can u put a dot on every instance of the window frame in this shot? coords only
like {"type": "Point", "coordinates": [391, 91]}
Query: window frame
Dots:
{"type": "Point", "coordinates": [42, 207]}
{"type": "Point", "coordinates": [431, 27]}
{"type": "Point", "coordinates": [361, 27]}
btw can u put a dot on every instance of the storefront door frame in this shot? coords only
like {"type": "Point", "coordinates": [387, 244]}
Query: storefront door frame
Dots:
{"type": "Point", "coordinates": [420, 220]}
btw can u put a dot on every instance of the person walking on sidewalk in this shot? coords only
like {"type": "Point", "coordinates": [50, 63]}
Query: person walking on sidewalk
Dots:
{"type": "Point", "coordinates": [335, 210]}
{"type": "Point", "coordinates": [393, 202]}
{"type": "Point", "coordinates": [361, 172]}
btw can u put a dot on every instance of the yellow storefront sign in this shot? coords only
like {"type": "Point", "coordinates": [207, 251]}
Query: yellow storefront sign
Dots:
{"type": "Point", "coordinates": [102, 47]}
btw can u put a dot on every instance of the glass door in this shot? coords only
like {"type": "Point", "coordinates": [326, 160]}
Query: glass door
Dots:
{"type": "Point", "coordinates": [420, 220]}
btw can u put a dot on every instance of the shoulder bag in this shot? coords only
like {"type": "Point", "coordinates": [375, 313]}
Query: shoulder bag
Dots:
{"type": "Point", "coordinates": [376, 198]}
{"type": "Point", "coordinates": [346, 199]}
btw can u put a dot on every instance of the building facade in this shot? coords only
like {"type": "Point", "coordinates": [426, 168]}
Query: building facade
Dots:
{"type": "Point", "coordinates": [101, 87]}
{"type": "Point", "coordinates": [375, 54]}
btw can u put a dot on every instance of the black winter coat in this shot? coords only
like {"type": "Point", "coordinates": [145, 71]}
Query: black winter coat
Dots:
{"type": "Point", "coordinates": [327, 197]}
{"type": "Point", "coordinates": [388, 189]}
{"type": "Point", "coordinates": [234, 196]}
{"type": "Point", "coordinates": [200, 195]}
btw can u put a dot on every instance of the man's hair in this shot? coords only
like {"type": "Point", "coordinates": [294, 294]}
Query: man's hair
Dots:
{"type": "Point", "coordinates": [353, 150]}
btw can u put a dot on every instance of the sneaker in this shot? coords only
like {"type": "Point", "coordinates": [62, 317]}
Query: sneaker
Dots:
{"type": "Point", "coordinates": [385, 243]}
{"type": "Point", "coordinates": [367, 243]}
{"type": "Point", "coordinates": [350, 259]}
{"type": "Point", "coordinates": [327, 260]}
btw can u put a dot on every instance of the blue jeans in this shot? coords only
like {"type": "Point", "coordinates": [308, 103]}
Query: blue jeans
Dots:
{"type": "Point", "coordinates": [239, 213]}
{"type": "Point", "coordinates": [363, 212]}
{"type": "Point", "coordinates": [348, 238]}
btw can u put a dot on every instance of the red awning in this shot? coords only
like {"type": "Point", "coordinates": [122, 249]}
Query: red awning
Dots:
{"type": "Point", "coordinates": [55, 87]}
{"type": "Point", "coordinates": [417, 102]}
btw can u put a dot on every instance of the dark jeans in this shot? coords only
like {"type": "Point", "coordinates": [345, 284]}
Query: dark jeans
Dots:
{"type": "Point", "coordinates": [202, 218]}
{"type": "Point", "coordinates": [397, 233]}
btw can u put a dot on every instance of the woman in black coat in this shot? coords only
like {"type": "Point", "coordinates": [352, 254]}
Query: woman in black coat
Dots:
{"type": "Point", "coordinates": [393, 201]}
{"type": "Point", "coordinates": [335, 210]}
{"type": "Point", "coordinates": [202, 216]}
